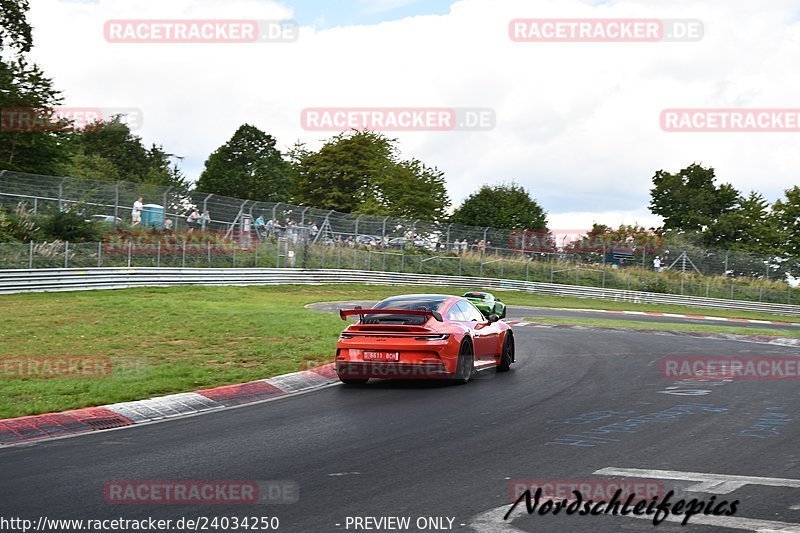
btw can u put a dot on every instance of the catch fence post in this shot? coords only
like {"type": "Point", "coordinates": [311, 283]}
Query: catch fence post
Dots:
{"type": "Point", "coordinates": [116, 203]}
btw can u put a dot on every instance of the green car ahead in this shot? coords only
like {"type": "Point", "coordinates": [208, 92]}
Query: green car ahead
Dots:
{"type": "Point", "coordinates": [487, 303]}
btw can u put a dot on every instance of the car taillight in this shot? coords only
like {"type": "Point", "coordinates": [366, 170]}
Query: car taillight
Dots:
{"type": "Point", "coordinates": [437, 337]}
{"type": "Point", "coordinates": [346, 336]}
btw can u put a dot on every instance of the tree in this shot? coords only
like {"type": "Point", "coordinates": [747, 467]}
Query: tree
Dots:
{"type": "Point", "coordinates": [749, 227]}
{"type": "Point", "coordinates": [108, 150]}
{"type": "Point", "coordinates": [786, 214]}
{"type": "Point", "coordinates": [247, 166]}
{"type": "Point", "coordinates": [15, 31]}
{"type": "Point", "coordinates": [690, 200]}
{"type": "Point", "coordinates": [360, 172]}
{"type": "Point", "coordinates": [344, 173]}
{"type": "Point", "coordinates": [25, 92]}
{"type": "Point", "coordinates": [408, 189]}
{"type": "Point", "coordinates": [501, 206]}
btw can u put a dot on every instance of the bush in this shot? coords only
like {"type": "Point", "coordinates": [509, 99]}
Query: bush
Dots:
{"type": "Point", "coordinates": [71, 227]}
{"type": "Point", "coordinates": [654, 284]}
{"type": "Point", "coordinates": [18, 226]}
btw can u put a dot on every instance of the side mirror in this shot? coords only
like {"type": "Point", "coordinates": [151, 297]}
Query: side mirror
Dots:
{"type": "Point", "coordinates": [492, 318]}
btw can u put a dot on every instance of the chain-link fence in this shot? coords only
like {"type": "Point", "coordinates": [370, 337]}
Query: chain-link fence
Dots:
{"type": "Point", "coordinates": [283, 252]}
{"type": "Point", "coordinates": [258, 227]}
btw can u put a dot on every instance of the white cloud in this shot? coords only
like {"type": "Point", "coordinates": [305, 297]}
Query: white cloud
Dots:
{"type": "Point", "coordinates": [577, 123]}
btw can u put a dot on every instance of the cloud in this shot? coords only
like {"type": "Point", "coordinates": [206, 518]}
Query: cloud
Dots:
{"type": "Point", "coordinates": [577, 123]}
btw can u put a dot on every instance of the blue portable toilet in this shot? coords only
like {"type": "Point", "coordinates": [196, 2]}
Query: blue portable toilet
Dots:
{"type": "Point", "coordinates": [153, 215]}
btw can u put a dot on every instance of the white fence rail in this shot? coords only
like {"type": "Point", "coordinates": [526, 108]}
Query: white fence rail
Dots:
{"type": "Point", "coordinates": [47, 280]}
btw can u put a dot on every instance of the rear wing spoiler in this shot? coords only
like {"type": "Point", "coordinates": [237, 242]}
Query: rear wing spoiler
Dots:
{"type": "Point", "coordinates": [344, 313]}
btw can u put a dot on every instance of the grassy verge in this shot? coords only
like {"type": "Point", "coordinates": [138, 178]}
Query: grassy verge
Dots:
{"type": "Point", "coordinates": [655, 326]}
{"type": "Point", "coordinates": [166, 340]}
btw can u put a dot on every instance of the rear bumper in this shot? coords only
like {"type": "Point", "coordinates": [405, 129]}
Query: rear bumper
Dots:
{"type": "Point", "coordinates": [387, 370]}
{"type": "Point", "coordinates": [417, 359]}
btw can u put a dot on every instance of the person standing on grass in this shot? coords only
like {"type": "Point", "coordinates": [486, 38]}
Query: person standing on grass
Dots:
{"type": "Point", "coordinates": [136, 213]}
{"type": "Point", "coordinates": [657, 264]}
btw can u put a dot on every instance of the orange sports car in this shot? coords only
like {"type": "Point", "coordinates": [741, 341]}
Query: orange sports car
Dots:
{"type": "Point", "coordinates": [422, 336]}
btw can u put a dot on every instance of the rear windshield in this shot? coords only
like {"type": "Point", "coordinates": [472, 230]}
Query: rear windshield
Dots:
{"type": "Point", "coordinates": [422, 303]}
{"type": "Point", "coordinates": [475, 295]}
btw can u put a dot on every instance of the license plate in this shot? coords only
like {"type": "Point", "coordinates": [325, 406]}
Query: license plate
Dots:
{"type": "Point", "coordinates": [381, 356]}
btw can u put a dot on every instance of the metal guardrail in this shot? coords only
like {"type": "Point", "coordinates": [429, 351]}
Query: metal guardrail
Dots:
{"type": "Point", "coordinates": [53, 280]}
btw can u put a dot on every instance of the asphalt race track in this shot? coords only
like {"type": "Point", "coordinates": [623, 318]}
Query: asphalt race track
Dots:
{"type": "Point", "coordinates": [456, 452]}
{"type": "Point", "coordinates": [519, 312]}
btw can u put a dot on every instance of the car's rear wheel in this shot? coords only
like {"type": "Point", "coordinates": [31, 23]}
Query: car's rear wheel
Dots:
{"type": "Point", "coordinates": [507, 355]}
{"type": "Point", "coordinates": [466, 364]}
{"type": "Point", "coordinates": [354, 381]}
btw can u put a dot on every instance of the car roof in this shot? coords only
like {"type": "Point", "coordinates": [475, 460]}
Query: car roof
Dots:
{"type": "Point", "coordinates": [476, 294]}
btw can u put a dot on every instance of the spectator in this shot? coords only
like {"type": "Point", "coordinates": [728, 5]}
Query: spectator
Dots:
{"type": "Point", "coordinates": [193, 220]}
{"type": "Point", "coordinates": [657, 264]}
{"type": "Point", "coordinates": [206, 219]}
{"type": "Point", "coordinates": [261, 227]}
{"type": "Point", "coordinates": [136, 213]}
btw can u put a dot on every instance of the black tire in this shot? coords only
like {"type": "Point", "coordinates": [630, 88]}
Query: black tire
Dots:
{"type": "Point", "coordinates": [354, 381]}
{"type": "Point", "coordinates": [466, 364]}
{"type": "Point", "coordinates": [507, 355]}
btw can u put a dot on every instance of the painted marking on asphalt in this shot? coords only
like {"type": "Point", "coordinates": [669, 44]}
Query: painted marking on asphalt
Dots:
{"type": "Point", "coordinates": [711, 483]}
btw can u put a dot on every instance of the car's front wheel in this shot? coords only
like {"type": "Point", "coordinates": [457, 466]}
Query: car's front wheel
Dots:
{"type": "Point", "coordinates": [466, 364]}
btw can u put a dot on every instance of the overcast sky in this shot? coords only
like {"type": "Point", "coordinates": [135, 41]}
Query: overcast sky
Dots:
{"type": "Point", "coordinates": [577, 123]}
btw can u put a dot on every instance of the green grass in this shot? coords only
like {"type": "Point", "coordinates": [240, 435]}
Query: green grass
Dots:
{"type": "Point", "coordinates": [736, 330]}
{"type": "Point", "coordinates": [167, 340]}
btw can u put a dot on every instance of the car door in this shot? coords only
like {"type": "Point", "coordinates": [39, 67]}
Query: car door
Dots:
{"type": "Point", "coordinates": [485, 335]}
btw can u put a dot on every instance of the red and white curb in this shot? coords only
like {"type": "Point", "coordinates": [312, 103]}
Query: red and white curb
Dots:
{"type": "Point", "coordinates": [54, 425]}
{"type": "Point", "coordinates": [676, 315]}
